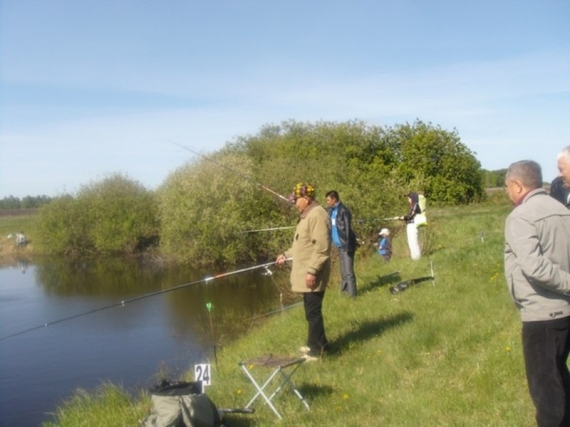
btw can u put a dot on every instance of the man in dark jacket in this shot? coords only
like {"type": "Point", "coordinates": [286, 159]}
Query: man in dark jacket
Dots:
{"type": "Point", "coordinates": [560, 192]}
{"type": "Point", "coordinates": [344, 239]}
{"type": "Point", "coordinates": [560, 187]}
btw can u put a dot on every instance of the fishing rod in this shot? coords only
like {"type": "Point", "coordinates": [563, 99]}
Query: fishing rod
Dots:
{"type": "Point", "coordinates": [402, 286]}
{"type": "Point", "coordinates": [140, 297]}
{"type": "Point", "coordinates": [268, 229]}
{"type": "Point", "coordinates": [233, 171]}
{"type": "Point", "coordinates": [364, 220]}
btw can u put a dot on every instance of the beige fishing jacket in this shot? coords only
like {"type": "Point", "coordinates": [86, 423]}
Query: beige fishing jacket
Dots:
{"type": "Point", "coordinates": [311, 249]}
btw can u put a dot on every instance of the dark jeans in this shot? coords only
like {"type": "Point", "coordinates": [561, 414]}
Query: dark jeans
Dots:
{"type": "Point", "coordinates": [348, 285]}
{"type": "Point", "coordinates": [545, 347]}
{"type": "Point", "coordinates": [316, 340]}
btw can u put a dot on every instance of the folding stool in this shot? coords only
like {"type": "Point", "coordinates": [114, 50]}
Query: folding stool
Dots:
{"type": "Point", "coordinates": [283, 369]}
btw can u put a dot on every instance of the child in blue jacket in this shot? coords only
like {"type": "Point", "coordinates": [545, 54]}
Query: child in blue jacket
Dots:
{"type": "Point", "coordinates": [384, 244]}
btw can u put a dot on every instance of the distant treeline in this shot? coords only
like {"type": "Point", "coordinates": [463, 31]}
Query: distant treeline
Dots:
{"type": "Point", "coordinates": [28, 202]}
{"type": "Point", "coordinates": [204, 210]}
{"type": "Point", "coordinates": [492, 179]}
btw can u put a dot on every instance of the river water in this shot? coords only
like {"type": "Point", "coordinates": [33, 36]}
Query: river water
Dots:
{"type": "Point", "coordinates": [127, 344]}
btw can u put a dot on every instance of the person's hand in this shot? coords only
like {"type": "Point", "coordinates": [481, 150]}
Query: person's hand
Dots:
{"type": "Point", "coordinates": [311, 281]}
{"type": "Point", "coordinates": [280, 260]}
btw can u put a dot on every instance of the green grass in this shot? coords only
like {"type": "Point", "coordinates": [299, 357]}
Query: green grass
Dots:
{"type": "Point", "coordinates": [110, 405]}
{"type": "Point", "coordinates": [439, 354]}
{"type": "Point", "coordinates": [12, 224]}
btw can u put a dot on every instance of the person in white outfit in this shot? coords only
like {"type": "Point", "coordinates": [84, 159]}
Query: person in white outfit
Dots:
{"type": "Point", "coordinates": [411, 227]}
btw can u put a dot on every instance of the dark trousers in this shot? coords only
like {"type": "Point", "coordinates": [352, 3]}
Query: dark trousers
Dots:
{"type": "Point", "coordinates": [316, 340]}
{"type": "Point", "coordinates": [545, 347]}
{"type": "Point", "coordinates": [348, 285]}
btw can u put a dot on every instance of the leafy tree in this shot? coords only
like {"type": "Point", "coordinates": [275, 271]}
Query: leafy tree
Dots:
{"type": "Point", "coordinates": [493, 179]}
{"type": "Point", "coordinates": [122, 214]}
{"type": "Point", "coordinates": [115, 215]}
{"type": "Point", "coordinates": [10, 202]}
{"type": "Point", "coordinates": [205, 212]}
{"type": "Point", "coordinates": [371, 167]}
{"type": "Point", "coordinates": [62, 227]}
{"type": "Point", "coordinates": [28, 202]}
{"type": "Point", "coordinates": [449, 171]}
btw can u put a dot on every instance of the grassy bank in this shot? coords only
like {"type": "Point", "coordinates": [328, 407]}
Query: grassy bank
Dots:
{"type": "Point", "coordinates": [445, 353]}
{"type": "Point", "coordinates": [11, 223]}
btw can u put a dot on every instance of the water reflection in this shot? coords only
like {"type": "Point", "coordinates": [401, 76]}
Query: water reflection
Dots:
{"type": "Point", "coordinates": [124, 344]}
{"type": "Point", "coordinates": [22, 264]}
{"type": "Point", "coordinates": [109, 277]}
{"type": "Point", "coordinates": [234, 299]}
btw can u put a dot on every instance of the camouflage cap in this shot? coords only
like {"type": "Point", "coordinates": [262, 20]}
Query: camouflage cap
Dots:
{"type": "Point", "coordinates": [302, 190]}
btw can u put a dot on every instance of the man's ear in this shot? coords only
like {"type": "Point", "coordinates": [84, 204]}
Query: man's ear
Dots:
{"type": "Point", "coordinates": [519, 185]}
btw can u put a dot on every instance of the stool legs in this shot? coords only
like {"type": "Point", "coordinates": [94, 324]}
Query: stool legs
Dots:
{"type": "Point", "coordinates": [286, 379]}
{"type": "Point", "coordinates": [260, 391]}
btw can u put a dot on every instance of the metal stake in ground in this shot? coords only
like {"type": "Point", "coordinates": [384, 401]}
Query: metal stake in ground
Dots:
{"type": "Point", "coordinates": [209, 306]}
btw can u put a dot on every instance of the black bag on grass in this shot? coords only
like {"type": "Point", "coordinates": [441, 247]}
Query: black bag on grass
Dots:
{"type": "Point", "coordinates": [181, 404]}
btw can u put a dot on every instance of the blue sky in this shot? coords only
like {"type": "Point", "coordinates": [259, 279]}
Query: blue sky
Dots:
{"type": "Point", "coordinates": [89, 88]}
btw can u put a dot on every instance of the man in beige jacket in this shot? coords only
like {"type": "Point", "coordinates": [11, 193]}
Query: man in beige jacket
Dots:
{"type": "Point", "coordinates": [311, 264]}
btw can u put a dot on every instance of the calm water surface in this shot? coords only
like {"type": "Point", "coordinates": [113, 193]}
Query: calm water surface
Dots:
{"type": "Point", "coordinates": [126, 345]}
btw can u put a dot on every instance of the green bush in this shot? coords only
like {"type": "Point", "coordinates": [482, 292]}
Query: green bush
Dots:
{"type": "Point", "coordinates": [205, 208]}
{"type": "Point", "coordinates": [204, 205]}
{"type": "Point", "coordinates": [115, 215]}
{"type": "Point", "coordinates": [62, 228]}
{"type": "Point", "coordinates": [206, 212]}
{"type": "Point", "coordinates": [122, 214]}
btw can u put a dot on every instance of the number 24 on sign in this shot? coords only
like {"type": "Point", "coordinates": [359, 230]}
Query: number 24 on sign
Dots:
{"type": "Point", "coordinates": [202, 373]}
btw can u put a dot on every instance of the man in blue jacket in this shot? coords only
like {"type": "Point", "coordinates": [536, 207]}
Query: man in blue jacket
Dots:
{"type": "Point", "coordinates": [344, 238]}
{"type": "Point", "coordinates": [537, 269]}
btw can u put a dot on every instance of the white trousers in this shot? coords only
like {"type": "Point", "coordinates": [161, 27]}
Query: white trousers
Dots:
{"type": "Point", "coordinates": [413, 242]}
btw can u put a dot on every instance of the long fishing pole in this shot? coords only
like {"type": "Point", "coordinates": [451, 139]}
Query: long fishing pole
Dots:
{"type": "Point", "coordinates": [268, 229]}
{"type": "Point", "coordinates": [140, 297]}
{"type": "Point", "coordinates": [233, 171]}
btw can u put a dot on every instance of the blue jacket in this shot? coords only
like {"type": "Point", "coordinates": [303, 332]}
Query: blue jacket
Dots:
{"type": "Point", "coordinates": [343, 224]}
{"type": "Point", "coordinates": [385, 246]}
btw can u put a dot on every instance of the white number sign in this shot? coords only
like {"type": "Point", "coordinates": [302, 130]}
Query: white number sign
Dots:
{"type": "Point", "coordinates": [202, 373]}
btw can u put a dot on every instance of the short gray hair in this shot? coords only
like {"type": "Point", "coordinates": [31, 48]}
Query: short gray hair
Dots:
{"type": "Point", "coordinates": [564, 153]}
{"type": "Point", "coordinates": [527, 171]}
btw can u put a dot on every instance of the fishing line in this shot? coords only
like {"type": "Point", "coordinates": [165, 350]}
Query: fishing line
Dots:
{"type": "Point", "coordinates": [140, 297]}
{"type": "Point", "coordinates": [279, 310]}
{"type": "Point", "coordinates": [271, 313]}
{"type": "Point", "coordinates": [233, 171]}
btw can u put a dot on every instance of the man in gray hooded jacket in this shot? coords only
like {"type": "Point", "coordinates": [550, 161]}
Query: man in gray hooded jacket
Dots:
{"type": "Point", "coordinates": [537, 266]}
